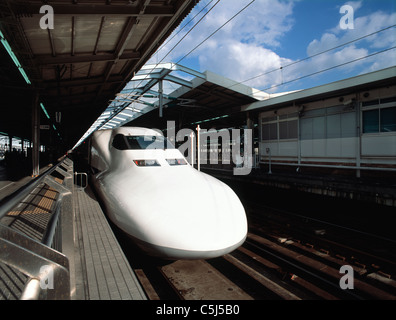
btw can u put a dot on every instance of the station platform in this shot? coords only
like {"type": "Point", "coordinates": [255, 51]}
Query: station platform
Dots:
{"type": "Point", "coordinates": [82, 243]}
{"type": "Point", "coordinates": [103, 272]}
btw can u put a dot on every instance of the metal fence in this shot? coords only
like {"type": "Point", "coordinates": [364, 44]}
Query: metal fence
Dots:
{"type": "Point", "coordinates": [45, 263]}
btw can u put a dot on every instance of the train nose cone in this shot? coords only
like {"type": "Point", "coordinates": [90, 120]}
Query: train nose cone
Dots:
{"type": "Point", "coordinates": [199, 214]}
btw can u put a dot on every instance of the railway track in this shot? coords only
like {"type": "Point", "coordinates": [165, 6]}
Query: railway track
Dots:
{"type": "Point", "coordinates": [263, 268]}
{"type": "Point", "coordinates": [286, 256]}
{"type": "Point", "coordinates": [369, 253]}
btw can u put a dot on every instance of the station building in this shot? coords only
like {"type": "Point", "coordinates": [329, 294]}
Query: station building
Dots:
{"type": "Point", "coordinates": [348, 126]}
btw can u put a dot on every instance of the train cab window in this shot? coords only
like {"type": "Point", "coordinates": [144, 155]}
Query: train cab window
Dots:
{"type": "Point", "coordinates": [148, 142]}
{"type": "Point", "coordinates": [120, 143]}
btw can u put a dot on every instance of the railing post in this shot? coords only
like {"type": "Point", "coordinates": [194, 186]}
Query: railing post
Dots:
{"type": "Point", "coordinates": [32, 290]}
{"type": "Point", "coordinates": [269, 163]}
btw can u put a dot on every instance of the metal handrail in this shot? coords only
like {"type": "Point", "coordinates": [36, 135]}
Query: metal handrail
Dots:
{"type": "Point", "coordinates": [17, 249]}
{"type": "Point", "coordinates": [81, 174]}
{"type": "Point", "coordinates": [10, 201]}
{"type": "Point", "coordinates": [39, 253]}
{"type": "Point", "coordinates": [52, 226]}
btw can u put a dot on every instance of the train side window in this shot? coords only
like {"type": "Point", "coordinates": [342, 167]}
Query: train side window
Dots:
{"type": "Point", "coordinates": [119, 142]}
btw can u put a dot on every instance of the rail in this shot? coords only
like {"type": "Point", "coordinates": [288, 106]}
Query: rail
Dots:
{"type": "Point", "coordinates": [275, 163]}
{"type": "Point", "coordinates": [44, 263]}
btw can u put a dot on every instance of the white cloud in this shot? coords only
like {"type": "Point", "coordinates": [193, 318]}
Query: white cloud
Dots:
{"type": "Point", "coordinates": [364, 25]}
{"type": "Point", "coordinates": [243, 61]}
{"type": "Point", "coordinates": [340, 57]}
{"type": "Point", "coordinates": [356, 5]}
{"type": "Point", "coordinates": [244, 47]}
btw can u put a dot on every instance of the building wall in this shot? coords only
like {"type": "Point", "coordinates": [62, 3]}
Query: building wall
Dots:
{"type": "Point", "coordinates": [358, 129]}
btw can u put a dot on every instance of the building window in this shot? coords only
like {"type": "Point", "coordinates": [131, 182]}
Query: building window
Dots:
{"type": "Point", "coordinates": [283, 130]}
{"type": "Point", "coordinates": [282, 127]}
{"type": "Point", "coordinates": [379, 120]}
{"type": "Point", "coordinates": [288, 129]}
{"type": "Point", "coordinates": [371, 121]}
{"type": "Point", "coordinates": [328, 123]}
{"type": "Point", "coordinates": [269, 131]}
{"type": "Point", "coordinates": [388, 119]}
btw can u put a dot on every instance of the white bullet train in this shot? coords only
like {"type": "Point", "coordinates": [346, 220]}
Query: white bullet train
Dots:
{"type": "Point", "coordinates": [167, 207]}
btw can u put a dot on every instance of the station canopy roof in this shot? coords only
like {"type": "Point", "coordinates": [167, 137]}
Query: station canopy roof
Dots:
{"type": "Point", "coordinates": [168, 91]}
{"type": "Point", "coordinates": [362, 82]}
{"type": "Point", "coordinates": [76, 68]}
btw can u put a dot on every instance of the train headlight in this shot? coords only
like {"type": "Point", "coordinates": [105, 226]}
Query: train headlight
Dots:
{"type": "Point", "coordinates": [146, 163]}
{"type": "Point", "coordinates": [176, 162]}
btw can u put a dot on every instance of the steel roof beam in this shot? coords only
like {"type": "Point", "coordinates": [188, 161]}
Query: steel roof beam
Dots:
{"type": "Point", "coordinates": [51, 40]}
{"type": "Point", "coordinates": [103, 9]}
{"type": "Point", "coordinates": [150, 84]}
{"type": "Point", "coordinates": [180, 81]}
{"type": "Point", "coordinates": [125, 36]}
{"type": "Point", "coordinates": [102, 22]}
{"type": "Point", "coordinates": [147, 69]}
{"type": "Point", "coordinates": [82, 82]}
{"type": "Point", "coordinates": [190, 71]}
{"type": "Point", "coordinates": [80, 96]}
{"type": "Point", "coordinates": [45, 60]}
{"type": "Point", "coordinates": [73, 35]}
{"type": "Point", "coordinates": [121, 44]}
{"type": "Point", "coordinates": [156, 77]}
{"type": "Point", "coordinates": [139, 93]}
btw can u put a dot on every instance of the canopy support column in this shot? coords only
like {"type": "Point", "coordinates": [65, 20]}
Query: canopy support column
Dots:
{"type": "Point", "coordinates": [36, 136]}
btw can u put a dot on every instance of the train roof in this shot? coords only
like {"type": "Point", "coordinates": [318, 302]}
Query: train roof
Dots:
{"type": "Point", "coordinates": [134, 131]}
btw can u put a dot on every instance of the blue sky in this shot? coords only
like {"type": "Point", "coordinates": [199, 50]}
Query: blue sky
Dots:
{"type": "Point", "coordinates": [273, 34]}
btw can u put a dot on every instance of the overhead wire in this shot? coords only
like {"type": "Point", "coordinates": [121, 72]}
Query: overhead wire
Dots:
{"type": "Point", "coordinates": [313, 56]}
{"type": "Point", "coordinates": [173, 48]}
{"type": "Point", "coordinates": [330, 68]}
{"type": "Point", "coordinates": [182, 28]}
{"type": "Point", "coordinates": [145, 78]}
{"type": "Point", "coordinates": [214, 32]}
{"type": "Point", "coordinates": [268, 72]}
{"type": "Point", "coordinates": [294, 62]}
{"type": "Point", "coordinates": [170, 51]}
{"type": "Point", "coordinates": [207, 38]}
{"type": "Point", "coordinates": [120, 109]}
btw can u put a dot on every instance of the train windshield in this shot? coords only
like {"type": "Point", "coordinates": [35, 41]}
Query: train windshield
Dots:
{"type": "Point", "coordinates": [122, 142]}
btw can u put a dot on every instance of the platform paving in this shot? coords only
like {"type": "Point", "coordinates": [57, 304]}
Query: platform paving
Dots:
{"type": "Point", "coordinates": [99, 269]}
{"type": "Point", "coordinates": [103, 272]}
